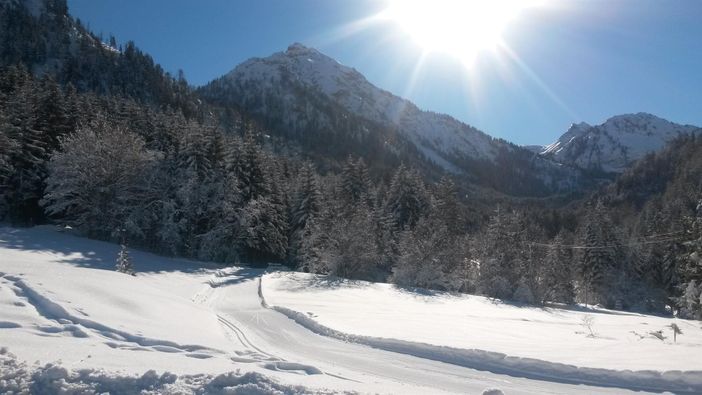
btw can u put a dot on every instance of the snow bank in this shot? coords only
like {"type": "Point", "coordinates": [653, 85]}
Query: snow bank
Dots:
{"type": "Point", "coordinates": [19, 378]}
{"type": "Point", "coordinates": [326, 304]}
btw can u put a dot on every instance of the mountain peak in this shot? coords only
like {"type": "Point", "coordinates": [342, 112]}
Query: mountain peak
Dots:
{"type": "Point", "coordinates": [613, 145]}
{"type": "Point", "coordinates": [297, 48]}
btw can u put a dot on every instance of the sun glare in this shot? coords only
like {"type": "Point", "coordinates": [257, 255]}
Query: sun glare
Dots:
{"type": "Point", "coordinates": [460, 28]}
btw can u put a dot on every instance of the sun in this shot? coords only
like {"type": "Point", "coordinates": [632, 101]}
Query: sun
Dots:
{"type": "Point", "coordinates": [460, 28]}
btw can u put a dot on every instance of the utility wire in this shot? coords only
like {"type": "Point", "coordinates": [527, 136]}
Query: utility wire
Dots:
{"type": "Point", "coordinates": [638, 243]}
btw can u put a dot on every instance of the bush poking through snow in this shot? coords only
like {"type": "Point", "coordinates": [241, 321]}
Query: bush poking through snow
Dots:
{"type": "Point", "coordinates": [124, 261]}
{"type": "Point", "coordinates": [588, 322]}
{"type": "Point", "coordinates": [676, 331]}
{"type": "Point", "coordinates": [658, 335]}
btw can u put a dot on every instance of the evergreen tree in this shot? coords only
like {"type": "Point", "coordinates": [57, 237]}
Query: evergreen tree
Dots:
{"type": "Point", "coordinates": [407, 198]}
{"type": "Point", "coordinates": [308, 201]}
{"type": "Point", "coordinates": [599, 259]}
{"type": "Point", "coordinates": [52, 116]}
{"type": "Point", "coordinates": [307, 205]}
{"type": "Point", "coordinates": [690, 301]}
{"type": "Point", "coordinates": [249, 168]}
{"type": "Point", "coordinates": [355, 184]}
{"type": "Point", "coordinates": [263, 230]}
{"type": "Point", "coordinates": [557, 274]}
{"type": "Point", "coordinates": [447, 205]}
{"type": "Point", "coordinates": [124, 261]}
{"type": "Point", "coordinates": [501, 255]}
{"type": "Point", "coordinates": [27, 160]}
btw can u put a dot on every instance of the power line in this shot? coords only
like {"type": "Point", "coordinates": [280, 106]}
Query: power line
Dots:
{"type": "Point", "coordinates": [638, 243]}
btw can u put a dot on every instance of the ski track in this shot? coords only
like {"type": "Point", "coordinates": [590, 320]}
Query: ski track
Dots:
{"type": "Point", "coordinates": [499, 363]}
{"type": "Point", "coordinates": [254, 354]}
{"type": "Point", "coordinates": [81, 327]}
{"type": "Point", "coordinates": [494, 362]}
{"type": "Point", "coordinates": [66, 323]}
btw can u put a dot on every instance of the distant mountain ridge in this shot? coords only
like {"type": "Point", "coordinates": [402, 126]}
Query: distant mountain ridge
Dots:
{"type": "Point", "coordinates": [331, 110]}
{"type": "Point", "coordinates": [307, 92]}
{"type": "Point", "coordinates": [616, 144]}
{"type": "Point", "coordinates": [352, 91]}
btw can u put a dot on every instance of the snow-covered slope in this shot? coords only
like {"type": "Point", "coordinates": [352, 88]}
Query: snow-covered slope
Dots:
{"type": "Point", "coordinates": [616, 143]}
{"type": "Point", "coordinates": [306, 96]}
{"type": "Point", "coordinates": [615, 348]}
{"type": "Point", "coordinates": [177, 327]}
{"type": "Point", "coordinates": [436, 135]}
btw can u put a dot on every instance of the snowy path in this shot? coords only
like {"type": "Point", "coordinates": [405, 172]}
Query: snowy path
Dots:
{"type": "Point", "coordinates": [262, 329]}
{"type": "Point", "coordinates": [60, 300]}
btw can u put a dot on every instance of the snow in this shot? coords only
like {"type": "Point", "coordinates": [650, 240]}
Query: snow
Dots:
{"type": "Point", "coordinates": [616, 143]}
{"type": "Point", "coordinates": [437, 136]}
{"type": "Point", "coordinates": [480, 333]}
{"type": "Point", "coordinates": [304, 83]}
{"type": "Point", "coordinates": [70, 322]}
{"type": "Point", "coordinates": [18, 378]}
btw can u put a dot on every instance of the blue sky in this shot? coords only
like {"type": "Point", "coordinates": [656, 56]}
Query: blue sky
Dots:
{"type": "Point", "coordinates": [574, 60]}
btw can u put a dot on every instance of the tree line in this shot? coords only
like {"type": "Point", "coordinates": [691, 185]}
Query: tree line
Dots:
{"type": "Point", "coordinates": [119, 170]}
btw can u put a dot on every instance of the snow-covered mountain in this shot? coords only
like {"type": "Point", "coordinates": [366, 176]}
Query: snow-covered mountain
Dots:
{"type": "Point", "coordinates": [437, 136]}
{"type": "Point", "coordinates": [309, 94]}
{"type": "Point", "coordinates": [615, 144]}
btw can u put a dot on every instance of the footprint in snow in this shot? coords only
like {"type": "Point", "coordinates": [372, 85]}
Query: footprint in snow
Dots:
{"type": "Point", "coordinates": [9, 325]}
{"type": "Point", "coordinates": [292, 367]}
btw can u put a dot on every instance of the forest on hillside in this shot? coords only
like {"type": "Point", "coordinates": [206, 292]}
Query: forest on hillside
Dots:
{"type": "Point", "coordinates": [119, 170]}
{"type": "Point", "coordinates": [108, 143]}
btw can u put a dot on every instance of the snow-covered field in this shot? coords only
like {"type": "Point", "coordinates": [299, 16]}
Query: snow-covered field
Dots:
{"type": "Point", "coordinates": [186, 327]}
{"type": "Point", "coordinates": [619, 340]}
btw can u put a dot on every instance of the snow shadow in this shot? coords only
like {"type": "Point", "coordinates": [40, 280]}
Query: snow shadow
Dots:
{"type": "Point", "coordinates": [598, 310]}
{"type": "Point", "coordinates": [325, 282]}
{"type": "Point", "coordinates": [234, 276]}
{"type": "Point", "coordinates": [423, 292]}
{"type": "Point", "coordinates": [89, 253]}
{"type": "Point", "coordinates": [682, 382]}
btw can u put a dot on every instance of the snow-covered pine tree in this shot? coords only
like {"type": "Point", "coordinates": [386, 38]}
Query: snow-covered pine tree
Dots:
{"type": "Point", "coordinates": [355, 184]}
{"type": "Point", "coordinates": [599, 258]}
{"type": "Point", "coordinates": [407, 198]}
{"type": "Point", "coordinates": [312, 241]}
{"type": "Point", "coordinates": [308, 201]}
{"type": "Point", "coordinates": [263, 229]}
{"type": "Point", "coordinates": [690, 302]}
{"type": "Point", "coordinates": [250, 170]}
{"type": "Point", "coordinates": [124, 261]}
{"type": "Point", "coordinates": [52, 117]}
{"type": "Point", "coordinates": [8, 148]}
{"type": "Point", "coordinates": [557, 275]}
{"type": "Point", "coordinates": [306, 205]}
{"type": "Point", "coordinates": [28, 160]}
{"type": "Point", "coordinates": [447, 206]}
{"type": "Point", "coordinates": [498, 255]}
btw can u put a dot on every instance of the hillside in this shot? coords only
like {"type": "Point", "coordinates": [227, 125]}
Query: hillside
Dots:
{"type": "Point", "coordinates": [129, 333]}
{"type": "Point", "coordinates": [43, 37]}
{"type": "Point", "coordinates": [309, 97]}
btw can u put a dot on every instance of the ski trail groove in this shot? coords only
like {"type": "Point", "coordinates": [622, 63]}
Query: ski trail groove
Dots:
{"type": "Point", "coordinates": [51, 310]}
{"type": "Point", "coordinates": [688, 382]}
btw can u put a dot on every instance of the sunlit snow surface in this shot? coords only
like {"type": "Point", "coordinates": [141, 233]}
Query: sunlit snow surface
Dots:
{"type": "Point", "coordinates": [203, 329]}
{"type": "Point", "coordinates": [474, 322]}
